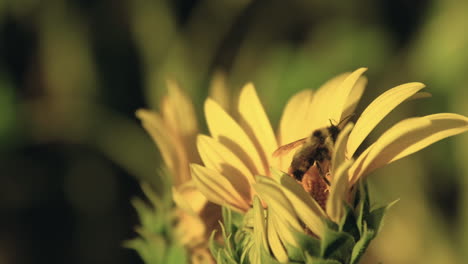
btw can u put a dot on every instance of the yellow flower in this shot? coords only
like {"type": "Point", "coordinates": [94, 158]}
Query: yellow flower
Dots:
{"type": "Point", "coordinates": [239, 150]}
{"type": "Point", "coordinates": [174, 131]}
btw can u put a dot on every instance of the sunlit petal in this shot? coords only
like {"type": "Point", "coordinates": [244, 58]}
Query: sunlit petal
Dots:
{"type": "Point", "coordinates": [228, 132]}
{"type": "Point", "coordinates": [339, 182]}
{"type": "Point", "coordinates": [338, 155]}
{"type": "Point", "coordinates": [341, 94]}
{"type": "Point", "coordinates": [180, 114]}
{"type": "Point", "coordinates": [217, 188]}
{"type": "Point", "coordinates": [292, 125]}
{"type": "Point", "coordinates": [275, 198]}
{"type": "Point", "coordinates": [172, 150]}
{"type": "Point", "coordinates": [338, 192]}
{"type": "Point", "coordinates": [354, 97]}
{"type": "Point", "coordinates": [283, 228]}
{"type": "Point", "coordinates": [443, 125]}
{"type": "Point", "coordinates": [259, 225]}
{"type": "Point", "coordinates": [217, 157]}
{"type": "Point", "coordinates": [257, 125]}
{"type": "Point", "coordinates": [407, 137]}
{"type": "Point", "coordinates": [189, 198]}
{"type": "Point", "coordinates": [153, 123]}
{"type": "Point", "coordinates": [219, 90]}
{"type": "Point", "coordinates": [274, 241]}
{"type": "Point", "coordinates": [331, 99]}
{"type": "Point", "coordinates": [377, 110]}
{"type": "Point", "coordinates": [308, 210]}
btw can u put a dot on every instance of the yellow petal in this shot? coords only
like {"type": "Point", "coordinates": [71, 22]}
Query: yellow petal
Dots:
{"type": "Point", "coordinates": [284, 229]}
{"type": "Point", "coordinates": [442, 125]}
{"type": "Point", "coordinates": [338, 192]}
{"type": "Point", "coordinates": [340, 97]}
{"type": "Point", "coordinates": [217, 188]}
{"type": "Point", "coordinates": [323, 103]}
{"type": "Point", "coordinates": [377, 110]}
{"type": "Point", "coordinates": [354, 97]}
{"type": "Point", "coordinates": [275, 199]}
{"type": "Point", "coordinates": [407, 137]}
{"type": "Point", "coordinates": [172, 150]}
{"type": "Point", "coordinates": [225, 130]}
{"type": "Point", "coordinates": [189, 198]}
{"type": "Point", "coordinates": [339, 152]}
{"type": "Point", "coordinates": [179, 114]}
{"type": "Point", "coordinates": [257, 125]}
{"type": "Point", "coordinates": [259, 226]}
{"type": "Point", "coordinates": [420, 95]}
{"type": "Point", "coordinates": [183, 114]}
{"type": "Point", "coordinates": [330, 99]}
{"type": "Point", "coordinates": [306, 208]}
{"type": "Point", "coordinates": [339, 183]}
{"type": "Point", "coordinates": [292, 126]}
{"type": "Point", "coordinates": [217, 157]}
{"type": "Point", "coordinates": [274, 241]}
{"type": "Point", "coordinates": [219, 91]}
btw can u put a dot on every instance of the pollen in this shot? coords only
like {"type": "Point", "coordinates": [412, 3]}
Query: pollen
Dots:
{"type": "Point", "coordinates": [316, 186]}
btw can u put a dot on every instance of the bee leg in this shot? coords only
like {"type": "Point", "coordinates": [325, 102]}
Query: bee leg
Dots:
{"type": "Point", "coordinates": [322, 174]}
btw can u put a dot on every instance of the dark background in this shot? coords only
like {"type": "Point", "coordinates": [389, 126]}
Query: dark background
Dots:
{"type": "Point", "coordinates": [72, 74]}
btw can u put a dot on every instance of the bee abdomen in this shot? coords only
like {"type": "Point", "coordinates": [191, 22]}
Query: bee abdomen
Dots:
{"type": "Point", "coordinates": [300, 166]}
{"type": "Point", "coordinates": [322, 154]}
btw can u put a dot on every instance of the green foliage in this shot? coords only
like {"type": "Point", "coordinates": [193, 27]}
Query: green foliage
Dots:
{"type": "Point", "coordinates": [156, 243]}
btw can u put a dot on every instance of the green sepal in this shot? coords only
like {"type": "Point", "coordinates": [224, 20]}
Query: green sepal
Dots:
{"type": "Point", "coordinates": [337, 245]}
{"type": "Point", "coordinates": [214, 246]}
{"type": "Point", "coordinates": [375, 219]}
{"type": "Point", "coordinates": [227, 220]}
{"type": "Point", "coordinates": [316, 260]}
{"type": "Point", "coordinates": [156, 243]}
{"type": "Point", "coordinates": [223, 253]}
{"type": "Point", "coordinates": [294, 253]}
{"type": "Point", "coordinates": [361, 246]}
{"type": "Point", "coordinates": [308, 244]}
{"type": "Point", "coordinates": [150, 252]}
{"type": "Point", "coordinates": [176, 254]}
{"type": "Point", "coordinates": [362, 205]}
{"type": "Point", "coordinates": [266, 257]}
{"type": "Point", "coordinates": [349, 223]}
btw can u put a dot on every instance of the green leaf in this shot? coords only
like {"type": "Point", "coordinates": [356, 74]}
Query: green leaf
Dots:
{"type": "Point", "coordinates": [337, 245]}
{"type": "Point", "coordinates": [375, 218]}
{"type": "Point", "coordinates": [151, 249]}
{"type": "Point", "coordinates": [214, 246]}
{"type": "Point", "coordinates": [266, 257]}
{"type": "Point", "coordinates": [362, 205]}
{"type": "Point", "coordinates": [315, 260]}
{"type": "Point", "coordinates": [227, 219]}
{"type": "Point", "coordinates": [349, 223]}
{"type": "Point", "coordinates": [307, 243]}
{"type": "Point", "coordinates": [176, 255]}
{"type": "Point", "coordinates": [362, 244]}
{"type": "Point", "coordinates": [259, 225]}
{"type": "Point", "coordinates": [294, 253]}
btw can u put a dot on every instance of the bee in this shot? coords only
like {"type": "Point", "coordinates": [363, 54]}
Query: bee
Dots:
{"type": "Point", "coordinates": [317, 148]}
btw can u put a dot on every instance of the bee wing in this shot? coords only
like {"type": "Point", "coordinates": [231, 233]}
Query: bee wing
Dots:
{"type": "Point", "coordinates": [285, 149]}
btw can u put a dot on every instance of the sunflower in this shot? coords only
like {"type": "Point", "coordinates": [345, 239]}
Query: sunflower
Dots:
{"type": "Point", "coordinates": [174, 130]}
{"type": "Point", "coordinates": [238, 163]}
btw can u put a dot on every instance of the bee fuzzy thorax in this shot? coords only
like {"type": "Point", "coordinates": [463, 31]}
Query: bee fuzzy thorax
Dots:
{"type": "Point", "coordinates": [317, 149]}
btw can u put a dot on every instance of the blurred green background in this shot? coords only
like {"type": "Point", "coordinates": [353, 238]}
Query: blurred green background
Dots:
{"type": "Point", "coordinates": [73, 72]}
